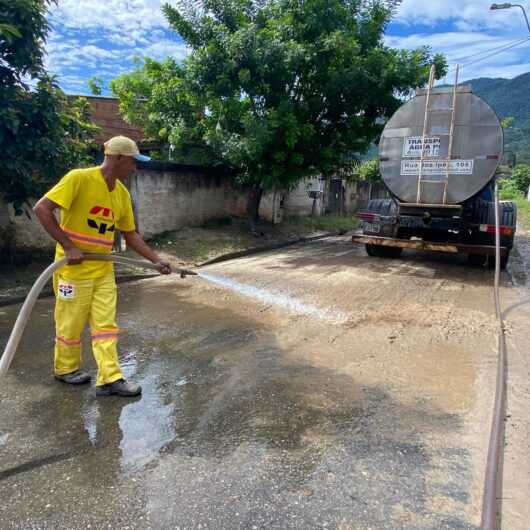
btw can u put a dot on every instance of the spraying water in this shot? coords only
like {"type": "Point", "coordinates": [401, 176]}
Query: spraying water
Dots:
{"type": "Point", "coordinates": [281, 300]}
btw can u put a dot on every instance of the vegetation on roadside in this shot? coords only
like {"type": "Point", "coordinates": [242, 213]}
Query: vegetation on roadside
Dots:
{"type": "Point", "coordinates": [523, 211]}
{"type": "Point", "coordinates": [513, 183]}
{"type": "Point", "coordinates": [43, 133]}
{"type": "Point", "coordinates": [514, 186]}
{"type": "Point", "coordinates": [197, 244]}
{"type": "Point", "coordinates": [367, 171]}
{"type": "Point", "coordinates": [326, 223]}
{"type": "Point", "coordinates": [275, 90]}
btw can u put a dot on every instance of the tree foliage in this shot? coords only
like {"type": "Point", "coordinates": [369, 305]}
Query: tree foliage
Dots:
{"type": "Point", "coordinates": [368, 171]}
{"type": "Point", "coordinates": [42, 132]}
{"type": "Point", "coordinates": [513, 183]}
{"type": "Point", "coordinates": [95, 85]}
{"type": "Point", "coordinates": [276, 89]}
{"type": "Point", "coordinates": [521, 178]}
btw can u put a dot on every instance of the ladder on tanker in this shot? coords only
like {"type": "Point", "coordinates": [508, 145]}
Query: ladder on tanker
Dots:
{"type": "Point", "coordinates": [428, 111]}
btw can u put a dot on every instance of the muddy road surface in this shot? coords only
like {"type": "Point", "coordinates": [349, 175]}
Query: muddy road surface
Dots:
{"type": "Point", "coordinates": [306, 388]}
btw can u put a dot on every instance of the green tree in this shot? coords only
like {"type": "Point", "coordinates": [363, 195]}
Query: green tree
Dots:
{"type": "Point", "coordinates": [42, 132]}
{"type": "Point", "coordinates": [507, 122]}
{"type": "Point", "coordinates": [368, 171]}
{"type": "Point", "coordinates": [8, 32]}
{"type": "Point", "coordinates": [95, 85]}
{"type": "Point", "coordinates": [276, 90]}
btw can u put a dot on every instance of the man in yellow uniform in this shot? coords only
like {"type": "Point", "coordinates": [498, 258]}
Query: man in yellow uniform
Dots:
{"type": "Point", "coordinates": [93, 203]}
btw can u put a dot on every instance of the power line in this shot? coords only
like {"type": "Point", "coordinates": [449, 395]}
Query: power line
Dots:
{"type": "Point", "coordinates": [522, 41]}
{"type": "Point", "coordinates": [489, 53]}
{"type": "Point", "coordinates": [502, 46]}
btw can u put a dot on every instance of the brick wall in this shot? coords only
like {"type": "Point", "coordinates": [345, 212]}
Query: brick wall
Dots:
{"type": "Point", "coordinates": [105, 112]}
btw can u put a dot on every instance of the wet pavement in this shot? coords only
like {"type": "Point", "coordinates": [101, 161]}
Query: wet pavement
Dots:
{"type": "Point", "coordinates": [306, 388]}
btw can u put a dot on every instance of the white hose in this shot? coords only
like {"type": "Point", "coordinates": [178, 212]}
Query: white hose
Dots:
{"type": "Point", "coordinates": [493, 480]}
{"type": "Point", "coordinates": [42, 280]}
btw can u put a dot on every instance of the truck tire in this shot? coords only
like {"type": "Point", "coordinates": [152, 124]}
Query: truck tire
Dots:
{"type": "Point", "coordinates": [371, 250]}
{"type": "Point", "coordinates": [504, 261]}
{"type": "Point", "coordinates": [380, 251]}
{"type": "Point", "coordinates": [382, 206]}
{"type": "Point", "coordinates": [483, 212]}
{"type": "Point", "coordinates": [476, 260]}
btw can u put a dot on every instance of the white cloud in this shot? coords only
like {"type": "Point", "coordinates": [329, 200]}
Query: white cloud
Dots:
{"type": "Point", "coordinates": [165, 48]}
{"type": "Point", "coordinates": [100, 37]}
{"type": "Point", "coordinates": [472, 14]}
{"type": "Point", "coordinates": [479, 54]}
{"type": "Point", "coordinates": [64, 55]}
{"type": "Point", "coordinates": [454, 43]}
{"type": "Point", "coordinates": [114, 15]}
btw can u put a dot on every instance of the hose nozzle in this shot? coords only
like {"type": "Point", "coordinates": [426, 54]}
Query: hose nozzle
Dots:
{"type": "Point", "coordinates": [184, 272]}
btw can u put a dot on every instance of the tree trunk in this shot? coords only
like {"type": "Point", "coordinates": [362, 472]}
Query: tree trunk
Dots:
{"type": "Point", "coordinates": [253, 202]}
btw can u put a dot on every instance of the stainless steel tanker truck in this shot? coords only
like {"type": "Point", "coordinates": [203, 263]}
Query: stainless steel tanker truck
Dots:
{"type": "Point", "coordinates": [438, 156]}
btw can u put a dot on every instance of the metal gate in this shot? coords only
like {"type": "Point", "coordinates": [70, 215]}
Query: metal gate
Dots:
{"type": "Point", "coordinates": [336, 197]}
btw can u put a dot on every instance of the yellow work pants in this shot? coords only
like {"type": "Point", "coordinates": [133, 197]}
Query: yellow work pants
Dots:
{"type": "Point", "coordinates": [79, 301]}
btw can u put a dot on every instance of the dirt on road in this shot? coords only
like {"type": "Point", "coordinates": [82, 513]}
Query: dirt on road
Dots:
{"type": "Point", "coordinates": [312, 387]}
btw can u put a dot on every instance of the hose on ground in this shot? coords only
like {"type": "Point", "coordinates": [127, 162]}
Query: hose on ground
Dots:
{"type": "Point", "coordinates": [493, 480]}
{"type": "Point", "coordinates": [42, 280]}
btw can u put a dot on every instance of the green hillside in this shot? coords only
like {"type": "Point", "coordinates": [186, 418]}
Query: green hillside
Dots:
{"type": "Point", "coordinates": [509, 97]}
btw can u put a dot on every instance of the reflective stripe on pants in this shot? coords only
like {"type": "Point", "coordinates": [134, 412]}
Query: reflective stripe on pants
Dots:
{"type": "Point", "coordinates": [79, 302]}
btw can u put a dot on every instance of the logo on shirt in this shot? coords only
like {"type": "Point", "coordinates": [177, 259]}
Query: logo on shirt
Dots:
{"type": "Point", "coordinates": [103, 221]}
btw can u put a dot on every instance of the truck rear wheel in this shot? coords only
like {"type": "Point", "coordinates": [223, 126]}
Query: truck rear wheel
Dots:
{"type": "Point", "coordinates": [477, 260]}
{"type": "Point", "coordinates": [380, 251]}
{"type": "Point", "coordinates": [504, 261]}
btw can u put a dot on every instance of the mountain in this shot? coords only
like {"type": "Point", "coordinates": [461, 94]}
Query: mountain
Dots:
{"type": "Point", "coordinates": [509, 97]}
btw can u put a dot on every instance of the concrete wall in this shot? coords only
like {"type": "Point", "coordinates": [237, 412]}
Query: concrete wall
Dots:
{"type": "Point", "coordinates": [21, 232]}
{"type": "Point", "coordinates": [357, 195]}
{"type": "Point", "coordinates": [299, 203]}
{"type": "Point", "coordinates": [168, 200]}
{"type": "Point", "coordinates": [169, 196]}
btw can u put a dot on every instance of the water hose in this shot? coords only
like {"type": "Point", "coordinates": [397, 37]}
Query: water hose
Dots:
{"type": "Point", "coordinates": [493, 478]}
{"type": "Point", "coordinates": [42, 280]}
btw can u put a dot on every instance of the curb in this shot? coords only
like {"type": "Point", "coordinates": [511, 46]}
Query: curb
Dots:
{"type": "Point", "coordinates": [47, 293]}
{"type": "Point", "coordinates": [265, 248]}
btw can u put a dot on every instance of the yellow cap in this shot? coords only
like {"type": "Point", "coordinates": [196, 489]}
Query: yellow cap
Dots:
{"type": "Point", "coordinates": [121, 145]}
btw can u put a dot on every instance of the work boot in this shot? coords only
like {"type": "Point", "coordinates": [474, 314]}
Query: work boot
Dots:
{"type": "Point", "coordinates": [119, 388]}
{"type": "Point", "coordinates": [74, 378]}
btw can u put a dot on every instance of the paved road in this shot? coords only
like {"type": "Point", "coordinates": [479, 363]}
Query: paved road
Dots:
{"type": "Point", "coordinates": [307, 388]}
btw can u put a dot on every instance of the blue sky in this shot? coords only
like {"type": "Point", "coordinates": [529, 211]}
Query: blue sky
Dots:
{"type": "Point", "coordinates": [101, 37]}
